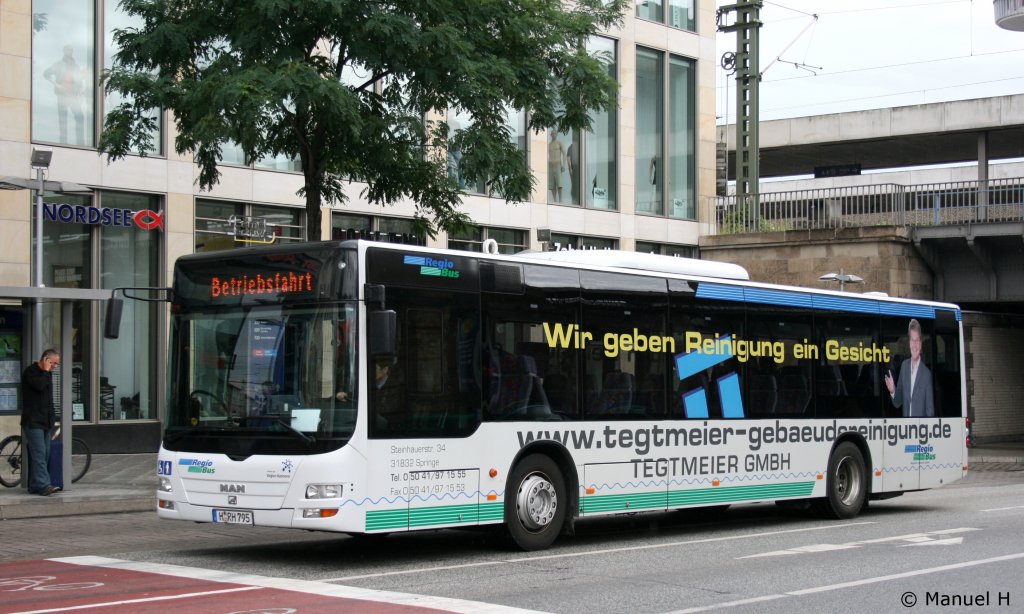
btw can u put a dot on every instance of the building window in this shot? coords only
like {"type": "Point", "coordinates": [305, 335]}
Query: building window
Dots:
{"type": "Point", "coordinates": [116, 19]}
{"type": "Point", "coordinates": [224, 225]}
{"type": "Point", "coordinates": [666, 249]}
{"type": "Point", "coordinates": [563, 242]}
{"type": "Point", "coordinates": [682, 142]}
{"type": "Point", "coordinates": [63, 72]}
{"type": "Point", "coordinates": [91, 255]}
{"type": "Point", "coordinates": [582, 167]}
{"type": "Point", "coordinates": [680, 13]}
{"type": "Point", "coordinates": [64, 77]}
{"type": "Point", "coordinates": [460, 120]}
{"type": "Point", "coordinates": [354, 226]}
{"type": "Point", "coordinates": [510, 240]}
{"type": "Point", "coordinates": [129, 257]}
{"type": "Point", "coordinates": [650, 133]}
{"type": "Point", "coordinates": [657, 182]}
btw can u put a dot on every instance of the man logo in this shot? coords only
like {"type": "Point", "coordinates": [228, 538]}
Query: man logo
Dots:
{"type": "Point", "coordinates": [232, 500]}
{"type": "Point", "coordinates": [236, 488]}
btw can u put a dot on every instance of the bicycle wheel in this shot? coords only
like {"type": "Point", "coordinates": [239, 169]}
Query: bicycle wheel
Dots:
{"type": "Point", "coordinates": [81, 458]}
{"type": "Point", "coordinates": [10, 461]}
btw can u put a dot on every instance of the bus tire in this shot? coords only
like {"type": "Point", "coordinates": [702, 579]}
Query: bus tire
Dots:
{"type": "Point", "coordinates": [535, 503]}
{"type": "Point", "coordinates": [846, 486]}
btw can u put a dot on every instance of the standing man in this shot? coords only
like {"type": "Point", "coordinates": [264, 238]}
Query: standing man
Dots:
{"type": "Point", "coordinates": [37, 420]}
{"type": "Point", "coordinates": [914, 391]}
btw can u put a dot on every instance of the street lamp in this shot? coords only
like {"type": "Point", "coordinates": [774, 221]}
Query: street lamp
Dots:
{"type": "Point", "coordinates": [40, 161]}
{"type": "Point", "coordinates": [843, 278]}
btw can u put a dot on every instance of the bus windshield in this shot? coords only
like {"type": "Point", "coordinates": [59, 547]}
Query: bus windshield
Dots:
{"type": "Point", "coordinates": [263, 379]}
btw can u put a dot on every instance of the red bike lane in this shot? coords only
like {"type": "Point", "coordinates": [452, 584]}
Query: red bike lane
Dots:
{"type": "Point", "coordinates": [107, 585]}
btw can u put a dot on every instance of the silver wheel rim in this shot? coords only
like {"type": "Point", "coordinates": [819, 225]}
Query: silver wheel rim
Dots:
{"type": "Point", "coordinates": [536, 502]}
{"type": "Point", "coordinates": [848, 481]}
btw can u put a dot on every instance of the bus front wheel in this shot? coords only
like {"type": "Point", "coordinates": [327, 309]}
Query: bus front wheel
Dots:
{"type": "Point", "coordinates": [535, 503]}
{"type": "Point", "coordinates": [847, 485]}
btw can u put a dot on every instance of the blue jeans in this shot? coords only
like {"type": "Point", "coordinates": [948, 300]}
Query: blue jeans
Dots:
{"type": "Point", "coordinates": [37, 442]}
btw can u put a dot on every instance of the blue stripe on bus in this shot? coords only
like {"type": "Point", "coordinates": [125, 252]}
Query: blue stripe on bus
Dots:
{"type": "Point", "coordinates": [729, 393]}
{"type": "Point", "coordinates": [839, 303]}
{"type": "Point", "coordinates": [695, 362]}
{"type": "Point", "coordinates": [789, 298]}
{"type": "Point", "coordinates": [696, 403]}
{"type": "Point", "coordinates": [777, 297]}
{"type": "Point", "coordinates": [910, 311]}
{"type": "Point", "coordinates": [720, 292]}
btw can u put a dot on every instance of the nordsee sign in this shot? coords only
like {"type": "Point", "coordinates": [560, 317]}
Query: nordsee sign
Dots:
{"type": "Point", "coordinates": [103, 216]}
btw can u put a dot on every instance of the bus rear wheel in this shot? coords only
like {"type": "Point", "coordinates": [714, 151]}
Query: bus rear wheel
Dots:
{"type": "Point", "coordinates": [847, 485]}
{"type": "Point", "coordinates": [535, 503]}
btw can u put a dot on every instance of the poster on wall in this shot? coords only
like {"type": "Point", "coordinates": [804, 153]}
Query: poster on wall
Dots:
{"type": "Point", "coordinates": [8, 399]}
{"type": "Point", "coordinates": [11, 322]}
{"type": "Point", "coordinates": [10, 372]}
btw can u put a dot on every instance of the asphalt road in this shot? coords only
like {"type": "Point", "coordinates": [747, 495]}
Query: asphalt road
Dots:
{"type": "Point", "coordinates": [959, 545]}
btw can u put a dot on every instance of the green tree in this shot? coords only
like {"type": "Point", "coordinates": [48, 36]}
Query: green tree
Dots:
{"type": "Point", "coordinates": [266, 74]}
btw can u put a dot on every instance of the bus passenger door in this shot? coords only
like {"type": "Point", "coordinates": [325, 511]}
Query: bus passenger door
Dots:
{"type": "Point", "coordinates": [623, 487]}
{"type": "Point", "coordinates": [443, 498]}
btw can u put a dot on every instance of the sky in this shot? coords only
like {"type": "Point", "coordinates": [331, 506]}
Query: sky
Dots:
{"type": "Point", "coordinates": [871, 54]}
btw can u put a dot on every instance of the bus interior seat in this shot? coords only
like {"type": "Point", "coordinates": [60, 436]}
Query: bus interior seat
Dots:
{"type": "Point", "coordinates": [830, 382]}
{"type": "Point", "coordinates": [616, 394]}
{"type": "Point", "coordinates": [518, 385]}
{"type": "Point", "coordinates": [764, 394]}
{"type": "Point", "coordinates": [794, 393]}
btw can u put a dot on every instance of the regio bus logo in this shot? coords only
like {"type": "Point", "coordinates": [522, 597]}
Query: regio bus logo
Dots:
{"type": "Point", "coordinates": [433, 267]}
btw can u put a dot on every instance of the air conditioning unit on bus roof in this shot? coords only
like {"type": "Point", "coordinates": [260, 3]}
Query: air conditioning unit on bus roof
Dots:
{"type": "Point", "coordinates": [644, 262]}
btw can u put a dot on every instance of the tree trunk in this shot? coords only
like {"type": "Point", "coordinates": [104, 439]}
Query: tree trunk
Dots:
{"type": "Point", "coordinates": [313, 214]}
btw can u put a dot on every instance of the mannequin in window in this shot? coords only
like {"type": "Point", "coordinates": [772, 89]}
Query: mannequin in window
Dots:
{"type": "Point", "coordinates": [556, 166]}
{"type": "Point", "coordinates": [66, 76]}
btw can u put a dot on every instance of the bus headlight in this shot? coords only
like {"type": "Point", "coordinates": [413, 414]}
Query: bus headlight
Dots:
{"type": "Point", "coordinates": [165, 485]}
{"type": "Point", "coordinates": [323, 491]}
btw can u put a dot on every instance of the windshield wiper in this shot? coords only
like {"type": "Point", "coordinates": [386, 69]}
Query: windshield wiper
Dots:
{"type": "Point", "coordinates": [281, 419]}
{"type": "Point", "coordinates": [291, 429]}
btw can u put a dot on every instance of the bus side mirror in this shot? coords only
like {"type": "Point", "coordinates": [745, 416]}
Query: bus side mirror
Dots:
{"type": "Point", "coordinates": [383, 332]}
{"type": "Point", "coordinates": [112, 325]}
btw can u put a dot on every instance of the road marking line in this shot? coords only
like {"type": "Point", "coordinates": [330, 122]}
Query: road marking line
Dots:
{"type": "Point", "coordinates": [851, 584]}
{"type": "Point", "coordinates": [107, 604]}
{"type": "Point", "coordinates": [312, 587]}
{"type": "Point", "coordinates": [548, 557]}
{"type": "Point", "coordinates": [1003, 509]}
{"type": "Point", "coordinates": [914, 538]}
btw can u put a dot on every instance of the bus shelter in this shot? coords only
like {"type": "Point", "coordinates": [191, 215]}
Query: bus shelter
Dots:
{"type": "Point", "coordinates": [66, 297]}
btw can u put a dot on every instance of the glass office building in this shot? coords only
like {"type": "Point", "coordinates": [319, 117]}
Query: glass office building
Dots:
{"type": "Point", "coordinates": [641, 179]}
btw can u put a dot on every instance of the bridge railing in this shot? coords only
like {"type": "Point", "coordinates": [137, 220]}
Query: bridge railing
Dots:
{"type": "Point", "coordinates": [887, 204]}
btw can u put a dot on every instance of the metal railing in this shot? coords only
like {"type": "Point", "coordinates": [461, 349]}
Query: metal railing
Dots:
{"type": "Point", "coordinates": [886, 204]}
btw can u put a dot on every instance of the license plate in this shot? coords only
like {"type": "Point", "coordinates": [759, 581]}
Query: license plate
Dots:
{"type": "Point", "coordinates": [233, 516]}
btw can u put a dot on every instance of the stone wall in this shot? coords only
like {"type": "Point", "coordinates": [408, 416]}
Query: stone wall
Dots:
{"type": "Point", "coordinates": [995, 385]}
{"type": "Point", "coordinates": [883, 255]}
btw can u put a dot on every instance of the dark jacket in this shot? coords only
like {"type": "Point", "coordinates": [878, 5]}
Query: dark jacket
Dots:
{"type": "Point", "coordinates": [37, 398]}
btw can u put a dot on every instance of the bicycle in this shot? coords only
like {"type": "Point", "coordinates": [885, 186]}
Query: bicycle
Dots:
{"type": "Point", "coordinates": [10, 460]}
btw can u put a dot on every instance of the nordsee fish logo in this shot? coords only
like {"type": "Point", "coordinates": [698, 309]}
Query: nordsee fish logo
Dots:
{"type": "Point", "coordinates": [433, 267]}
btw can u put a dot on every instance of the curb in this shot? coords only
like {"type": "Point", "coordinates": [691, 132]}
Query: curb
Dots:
{"type": "Point", "coordinates": [52, 506]}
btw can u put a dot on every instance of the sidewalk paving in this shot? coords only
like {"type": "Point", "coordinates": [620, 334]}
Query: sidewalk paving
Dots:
{"type": "Point", "coordinates": [127, 483]}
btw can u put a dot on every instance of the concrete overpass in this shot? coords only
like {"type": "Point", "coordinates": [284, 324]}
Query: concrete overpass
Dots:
{"type": "Point", "coordinates": [938, 133]}
{"type": "Point", "coordinates": [969, 235]}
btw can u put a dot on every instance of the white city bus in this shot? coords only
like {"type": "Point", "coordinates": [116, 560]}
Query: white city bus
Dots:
{"type": "Point", "coordinates": [371, 387]}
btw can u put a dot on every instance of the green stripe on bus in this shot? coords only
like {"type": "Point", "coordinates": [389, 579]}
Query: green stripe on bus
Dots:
{"type": "Point", "coordinates": [428, 516]}
{"type": "Point", "coordinates": [677, 498]}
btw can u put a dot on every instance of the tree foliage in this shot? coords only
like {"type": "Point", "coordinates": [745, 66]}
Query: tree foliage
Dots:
{"type": "Point", "coordinates": [266, 74]}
